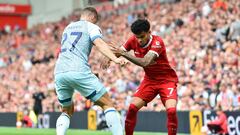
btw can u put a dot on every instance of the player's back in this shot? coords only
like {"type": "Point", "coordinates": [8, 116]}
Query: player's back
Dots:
{"type": "Point", "coordinates": [76, 46]}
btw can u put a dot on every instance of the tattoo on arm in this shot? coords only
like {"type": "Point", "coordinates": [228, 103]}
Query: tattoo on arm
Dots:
{"type": "Point", "coordinates": [143, 62]}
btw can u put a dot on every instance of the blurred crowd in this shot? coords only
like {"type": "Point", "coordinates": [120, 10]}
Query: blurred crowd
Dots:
{"type": "Point", "coordinates": [203, 46]}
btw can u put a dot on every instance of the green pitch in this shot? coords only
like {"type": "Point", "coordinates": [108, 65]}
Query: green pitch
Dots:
{"type": "Point", "coordinates": [30, 131]}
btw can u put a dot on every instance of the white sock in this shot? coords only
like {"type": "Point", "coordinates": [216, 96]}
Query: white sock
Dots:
{"type": "Point", "coordinates": [113, 121]}
{"type": "Point", "coordinates": [62, 124]}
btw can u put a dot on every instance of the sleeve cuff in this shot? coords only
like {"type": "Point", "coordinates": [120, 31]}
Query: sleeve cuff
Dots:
{"type": "Point", "coordinates": [124, 48]}
{"type": "Point", "coordinates": [154, 52]}
{"type": "Point", "coordinates": [95, 37]}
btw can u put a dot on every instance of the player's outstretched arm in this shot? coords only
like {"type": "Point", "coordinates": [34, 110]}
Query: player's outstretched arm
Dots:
{"type": "Point", "coordinates": [105, 50]}
{"type": "Point", "coordinates": [143, 62]}
{"type": "Point", "coordinates": [105, 61]}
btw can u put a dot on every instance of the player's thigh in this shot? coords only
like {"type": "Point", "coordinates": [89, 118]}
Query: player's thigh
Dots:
{"type": "Point", "coordinates": [138, 102]}
{"type": "Point", "coordinates": [88, 85]}
{"type": "Point", "coordinates": [63, 89]}
{"type": "Point", "coordinates": [168, 93]}
{"type": "Point", "coordinates": [146, 92]}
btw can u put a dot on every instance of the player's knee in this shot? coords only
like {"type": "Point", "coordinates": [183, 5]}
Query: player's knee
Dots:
{"type": "Point", "coordinates": [108, 102]}
{"type": "Point", "coordinates": [133, 108]}
{"type": "Point", "coordinates": [105, 102]}
{"type": "Point", "coordinates": [171, 103]}
{"type": "Point", "coordinates": [171, 112]}
{"type": "Point", "coordinates": [138, 102]}
{"type": "Point", "coordinates": [105, 105]}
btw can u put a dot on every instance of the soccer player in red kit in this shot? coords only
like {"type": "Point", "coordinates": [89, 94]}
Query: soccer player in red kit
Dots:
{"type": "Point", "coordinates": [160, 78]}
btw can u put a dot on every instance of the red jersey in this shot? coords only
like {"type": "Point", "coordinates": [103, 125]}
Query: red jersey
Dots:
{"type": "Point", "coordinates": [160, 70]}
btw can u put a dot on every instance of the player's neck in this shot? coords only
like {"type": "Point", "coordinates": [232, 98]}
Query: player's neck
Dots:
{"type": "Point", "coordinates": [87, 19]}
{"type": "Point", "coordinates": [148, 42]}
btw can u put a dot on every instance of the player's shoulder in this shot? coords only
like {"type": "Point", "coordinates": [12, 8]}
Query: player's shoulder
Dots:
{"type": "Point", "coordinates": [157, 40]}
{"type": "Point", "coordinates": [130, 42]}
{"type": "Point", "coordinates": [132, 38]}
{"type": "Point", "coordinates": [92, 25]}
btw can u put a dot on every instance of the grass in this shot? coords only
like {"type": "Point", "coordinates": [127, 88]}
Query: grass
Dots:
{"type": "Point", "coordinates": [34, 131]}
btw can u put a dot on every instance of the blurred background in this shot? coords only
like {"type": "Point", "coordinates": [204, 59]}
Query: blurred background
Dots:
{"type": "Point", "coordinates": [202, 38]}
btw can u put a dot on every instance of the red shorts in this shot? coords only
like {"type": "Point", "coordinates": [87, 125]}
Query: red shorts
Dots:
{"type": "Point", "coordinates": [148, 90]}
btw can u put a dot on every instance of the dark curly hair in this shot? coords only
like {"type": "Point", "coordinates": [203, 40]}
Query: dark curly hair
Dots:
{"type": "Point", "coordinates": [139, 26]}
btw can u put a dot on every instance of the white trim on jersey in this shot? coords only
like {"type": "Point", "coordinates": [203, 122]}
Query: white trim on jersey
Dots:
{"type": "Point", "coordinates": [148, 42]}
{"type": "Point", "coordinates": [95, 37]}
{"type": "Point", "coordinates": [124, 48]}
{"type": "Point", "coordinates": [154, 52]}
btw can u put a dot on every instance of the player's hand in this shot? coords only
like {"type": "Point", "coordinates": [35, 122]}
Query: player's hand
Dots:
{"type": "Point", "coordinates": [117, 51]}
{"type": "Point", "coordinates": [120, 61]}
{"type": "Point", "coordinates": [105, 63]}
{"type": "Point", "coordinates": [123, 62]}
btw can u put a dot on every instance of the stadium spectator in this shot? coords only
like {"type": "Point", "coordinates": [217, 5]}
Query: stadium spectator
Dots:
{"type": "Point", "coordinates": [234, 31]}
{"type": "Point", "coordinates": [213, 98]}
{"type": "Point", "coordinates": [236, 98]}
{"type": "Point", "coordinates": [225, 97]}
{"type": "Point", "coordinates": [220, 4]}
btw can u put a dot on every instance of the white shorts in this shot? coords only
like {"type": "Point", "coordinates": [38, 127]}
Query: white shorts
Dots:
{"type": "Point", "coordinates": [86, 83]}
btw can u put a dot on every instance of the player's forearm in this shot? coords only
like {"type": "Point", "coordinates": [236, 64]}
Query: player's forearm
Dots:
{"type": "Point", "coordinates": [106, 51]}
{"type": "Point", "coordinates": [138, 61]}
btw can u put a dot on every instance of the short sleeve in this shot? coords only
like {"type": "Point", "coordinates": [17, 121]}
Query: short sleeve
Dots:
{"type": "Point", "coordinates": [94, 32]}
{"type": "Point", "coordinates": [157, 47]}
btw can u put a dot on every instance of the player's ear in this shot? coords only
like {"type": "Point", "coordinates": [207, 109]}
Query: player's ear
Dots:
{"type": "Point", "coordinates": [149, 31]}
{"type": "Point", "coordinates": [91, 17]}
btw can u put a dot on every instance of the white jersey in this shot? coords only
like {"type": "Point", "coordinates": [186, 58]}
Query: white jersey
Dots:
{"type": "Point", "coordinates": [76, 45]}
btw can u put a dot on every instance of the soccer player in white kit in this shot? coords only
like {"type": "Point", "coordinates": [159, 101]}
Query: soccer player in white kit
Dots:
{"type": "Point", "coordinates": [72, 71]}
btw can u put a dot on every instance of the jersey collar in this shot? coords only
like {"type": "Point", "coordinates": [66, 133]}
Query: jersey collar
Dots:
{"type": "Point", "coordinates": [150, 40]}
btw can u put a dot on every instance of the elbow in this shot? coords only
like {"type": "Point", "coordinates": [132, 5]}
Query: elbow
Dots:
{"type": "Point", "coordinates": [144, 65]}
{"type": "Point", "coordinates": [147, 62]}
